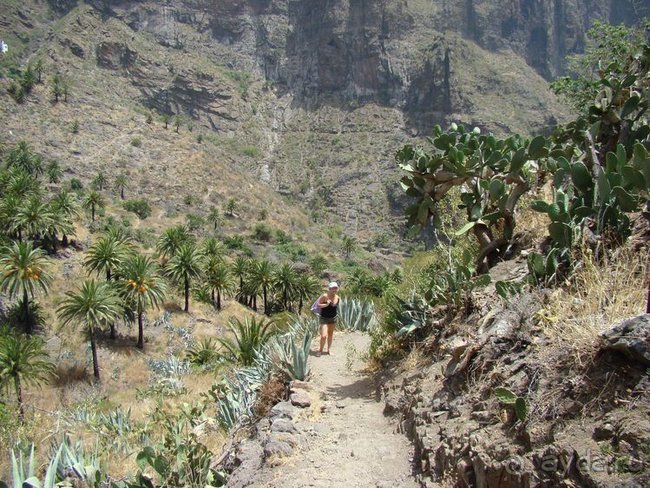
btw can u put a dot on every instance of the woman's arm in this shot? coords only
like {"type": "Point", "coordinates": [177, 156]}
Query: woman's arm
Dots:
{"type": "Point", "coordinates": [323, 301]}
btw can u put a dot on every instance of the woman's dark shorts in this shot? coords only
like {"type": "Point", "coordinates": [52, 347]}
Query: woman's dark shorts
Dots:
{"type": "Point", "coordinates": [327, 320]}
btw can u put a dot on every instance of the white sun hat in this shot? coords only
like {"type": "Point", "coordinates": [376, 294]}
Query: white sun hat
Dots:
{"type": "Point", "coordinates": [333, 284]}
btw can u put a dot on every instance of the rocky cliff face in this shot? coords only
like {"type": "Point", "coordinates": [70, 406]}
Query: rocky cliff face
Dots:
{"type": "Point", "coordinates": [363, 50]}
{"type": "Point", "coordinates": [321, 93]}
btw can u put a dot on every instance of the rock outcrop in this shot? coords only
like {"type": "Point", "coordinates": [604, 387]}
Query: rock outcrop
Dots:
{"type": "Point", "coordinates": [578, 430]}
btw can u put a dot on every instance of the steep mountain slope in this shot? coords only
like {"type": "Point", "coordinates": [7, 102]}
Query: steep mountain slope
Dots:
{"type": "Point", "coordinates": [312, 98]}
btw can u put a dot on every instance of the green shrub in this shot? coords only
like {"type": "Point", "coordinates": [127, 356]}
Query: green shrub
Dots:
{"type": "Point", "coordinates": [136, 142]}
{"type": "Point", "coordinates": [250, 151]}
{"type": "Point", "coordinates": [281, 237]}
{"type": "Point", "coordinates": [138, 206]}
{"type": "Point", "coordinates": [76, 185]}
{"type": "Point", "coordinates": [195, 222]}
{"type": "Point", "coordinates": [262, 232]}
{"type": "Point", "coordinates": [294, 251]}
{"type": "Point", "coordinates": [16, 91]}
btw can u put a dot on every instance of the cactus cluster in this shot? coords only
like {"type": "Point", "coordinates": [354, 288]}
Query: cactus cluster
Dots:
{"type": "Point", "coordinates": [491, 173]}
{"type": "Point", "coordinates": [596, 199]}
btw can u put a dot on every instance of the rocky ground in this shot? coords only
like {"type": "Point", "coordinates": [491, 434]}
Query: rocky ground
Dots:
{"type": "Point", "coordinates": [340, 438]}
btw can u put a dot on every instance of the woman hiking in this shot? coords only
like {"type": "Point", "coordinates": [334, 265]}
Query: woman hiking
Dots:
{"type": "Point", "coordinates": [328, 304]}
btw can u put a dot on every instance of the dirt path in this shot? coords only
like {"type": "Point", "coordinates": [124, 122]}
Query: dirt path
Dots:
{"type": "Point", "coordinates": [350, 443]}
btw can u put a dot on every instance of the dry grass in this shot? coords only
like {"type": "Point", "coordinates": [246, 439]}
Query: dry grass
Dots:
{"type": "Point", "coordinates": [599, 295]}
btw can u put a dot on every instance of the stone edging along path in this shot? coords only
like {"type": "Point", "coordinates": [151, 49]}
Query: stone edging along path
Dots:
{"type": "Point", "coordinates": [331, 433]}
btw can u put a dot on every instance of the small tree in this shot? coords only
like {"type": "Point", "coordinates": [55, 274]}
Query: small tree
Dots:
{"type": "Point", "coordinates": [177, 123]}
{"type": "Point", "coordinates": [38, 67]}
{"type": "Point", "coordinates": [214, 217]}
{"type": "Point", "coordinates": [94, 305]}
{"type": "Point", "coordinates": [165, 118]}
{"type": "Point", "coordinates": [23, 360]}
{"type": "Point", "coordinates": [23, 272]}
{"type": "Point", "coordinates": [100, 181]}
{"type": "Point", "coordinates": [92, 202]}
{"type": "Point", "coordinates": [57, 88]}
{"type": "Point", "coordinates": [171, 240]}
{"type": "Point", "coordinates": [121, 184]}
{"type": "Point", "coordinates": [218, 279]}
{"type": "Point", "coordinates": [54, 172]}
{"type": "Point", "coordinates": [142, 285]}
{"type": "Point", "coordinates": [262, 275]}
{"type": "Point", "coordinates": [184, 267]}
{"type": "Point", "coordinates": [348, 245]}
{"type": "Point", "coordinates": [231, 206]}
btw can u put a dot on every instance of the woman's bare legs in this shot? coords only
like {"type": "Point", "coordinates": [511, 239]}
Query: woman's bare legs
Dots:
{"type": "Point", "coordinates": [326, 335]}
{"type": "Point", "coordinates": [323, 337]}
{"type": "Point", "coordinates": [330, 336]}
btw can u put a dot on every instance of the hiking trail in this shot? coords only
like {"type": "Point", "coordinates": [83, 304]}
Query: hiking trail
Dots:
{"type": "Point", "coordinates": [345, 438]}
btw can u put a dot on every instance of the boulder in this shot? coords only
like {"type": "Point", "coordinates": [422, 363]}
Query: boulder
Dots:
{"type": "Point", "coordinates": [276, 448]}
{"type": "Point", "coordinates": [300, 399]}
{"type": "Point", "coordinates": [283, 410]}
{"type": "Point", "coordinates": [283, 425]}
{"type": "Point", "coordinates": [630, 337]}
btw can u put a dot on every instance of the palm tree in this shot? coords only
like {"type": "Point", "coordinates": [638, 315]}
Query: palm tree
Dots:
{"type": "Point", "coordinates": [34, 217]}
{"type": "Point", "coordinates": [21, 183]}
{"type": "Point", "coordinates": [106, 255]}
{"type": "Point", "coordinates": [99, 182]}
{"type": "Point", "coordinates": [348, 245]}
{"type": "Point", "coordinates": [239, 270]}
{"type": "Point", "coordinates": [9, 208]}
{"type": "Point", "coordinates": [38, 67]}
{"type": "Point", "coordinates": [285, 283]}
{"type": "Point", "coordinates": [213, 248]}
{"type": "Point", "coordinates": [121, 184]}
{"type": "Point", "coordinates": [60, 224]}
{"type": "Point", "coordinates": [22, 157]}
{"type": "Point", "coordinates": [218, 279]}
{"type": "Point", "coordinates": [249, 336]}
{"type": "Point", "coordinates": [172, 239]}
{"type": "Point", "coordinates": [65, 205]}
{"type": "Point", "coordinates": [214, 217]}
{"type": "Point", "coordinates": [23, 273]}
{"type": "Point", "coordinates": [165, 119]}
{"type": "Point", "coordinates": [95, 304]}
{"type": "Point", "coordinates": [184, 266]}
{"type": "Point", "coordinates": [142, 286]}
{"type": "Point", "coordinates": [93, 201]}
{"type": "Point", "coordinates": [307, 287]}
{"type": "Point", "coordinates": [23, 360]}
{"type": "Point", "coordinates": [262, 275]}
{"type": "Point", "coordinates": [57, 87]}
{"type": "Point", "coordinates": [231, 206]}
{"type": "Point", "coordinates": [54, 172]}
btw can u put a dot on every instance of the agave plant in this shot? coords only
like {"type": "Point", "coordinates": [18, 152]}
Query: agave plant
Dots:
{"type": "Point", "coordinates": [23, 475]}
{"type": "Point", "coordinates": [248, 338]}
{"type": "Point", "coordinates": [204, 353]}
{"type": "Point", "coordinates": [357, 315]}
{"type": "Point", "coordinates": [297, 368]}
